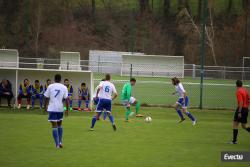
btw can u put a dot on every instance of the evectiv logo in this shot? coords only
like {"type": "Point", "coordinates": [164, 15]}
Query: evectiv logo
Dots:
{"type": "Point", "coordinates": [235, 156]}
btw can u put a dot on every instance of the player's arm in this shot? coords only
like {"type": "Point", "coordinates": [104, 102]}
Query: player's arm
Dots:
{"type": "Point", "coordinates": [240, 104]}
{"type": "Point", "coordinates": [20, 90]}
{"type": "Point", "coordinates": [115, 93]}
{"type": "Point", "coordinates": [66, 97]}
{"type": "Point", "coordinates": [46, 95]}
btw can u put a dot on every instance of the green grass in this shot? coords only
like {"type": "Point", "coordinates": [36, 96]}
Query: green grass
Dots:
{"type": "Point", "coordinates": [158, 91]}
{"type": "Point", "coordinates": [26, 140]}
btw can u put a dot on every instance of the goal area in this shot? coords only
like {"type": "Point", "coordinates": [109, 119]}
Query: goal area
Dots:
{"type": "Point", "coordinates": [153, 66]}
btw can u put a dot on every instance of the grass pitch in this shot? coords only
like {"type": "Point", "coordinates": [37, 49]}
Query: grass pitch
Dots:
{"type": "Point", "coordinates": [26, 140]}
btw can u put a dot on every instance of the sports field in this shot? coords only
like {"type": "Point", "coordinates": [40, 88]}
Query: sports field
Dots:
{"type": "Point", "coordinates": [26, 140]}
{"type": "Point", "coordinates": [152, 91]}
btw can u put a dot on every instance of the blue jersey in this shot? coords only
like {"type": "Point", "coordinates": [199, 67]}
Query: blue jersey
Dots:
{"type": "Point", "coordinates": [37, 89]}
{"type": "Point", "coordinates": [83, 92]}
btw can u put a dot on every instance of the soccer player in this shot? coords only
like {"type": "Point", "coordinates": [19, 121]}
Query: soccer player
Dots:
{"type": "Point", "coordinates": [48, 82]}
{"type": "Point", "coordinates": [182, 102]}
{"type": "Point", "coordinates": [24, 91]}
{"type": "Point", "coordinates": [128, 99]}
{"type": "Point", "coordinates": [69, 102]}
{"type": "Point", "coordinates": [241, 113]}
{"type": "Point", "coordinates": [96, 100]}
{"type": "Point", "coordinates": [37, 93]}
{"type": "Point", "coordinates": [104, 92]}
{"type": "Point", "coordinates": [83, 94]}
{"type": "Point", "coordinates": [55, 94]}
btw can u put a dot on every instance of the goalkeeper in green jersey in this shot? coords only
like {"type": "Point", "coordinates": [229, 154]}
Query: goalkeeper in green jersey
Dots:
{"type": "Point", "coordinates": [128, 99]}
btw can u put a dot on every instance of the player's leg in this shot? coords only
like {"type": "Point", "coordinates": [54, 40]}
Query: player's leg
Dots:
{"type": "Point", "coordinates": [235, 127]}
{"type": "Point", "coordinates": [128, 110]}
{"type": "Point", "coordinates": [177, 108]}
{"type": "Point", "coordinates": [41, 100]}
{"type": "Point", "coordinates": [53, 119]}
{"type": "Point", "coordinates": [60, 133]}
{"type": "Point", "coordinates": [244, 115]}
{"type": "Point", "coordinates": [104, 115]}
{"type": "Point", "coordinates": [184, 110]}
{"type": "Point", "coordinates": [95, 117]}
{"type": "Point", "coordinates": [111, 118]}
{"type": "Point", "coordinates": [33, 98]}
{"type": "Point", "coordinates": [28, 97]}
{"type": "Point", "coordinates": [79, 102]}
{"type": "Point", "coordinates": [235, 132]}
{"type": "Point", "coordinates": [19, 101]}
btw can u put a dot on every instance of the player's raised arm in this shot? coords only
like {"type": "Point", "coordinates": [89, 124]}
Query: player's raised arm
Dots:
{"type": "Point", "coordinates": [115, 94]}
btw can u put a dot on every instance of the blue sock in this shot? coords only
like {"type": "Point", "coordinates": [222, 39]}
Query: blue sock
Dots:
{"type": "Point", "coordinates": [79, 103]}
{"type": "Point", "coordinates": [60, 134]}
{"type": "Point", "coordinates": [32, 101]}
{"type": "Point", "coordinates": [70, 103]}
{"type": "Point", "coordinates": [190, 116]}
{"type": "Point", "coordinates": [104, 115]}
{"type": "Point", "coordinates": [111, 118]}
{"type": "Point", "coordinates": [87, 103]}
{"type": "Point", "coordinates": [93, 121]}
{"type": "Point", "coordinates": [180, 113]}
{"type": "Point", "coordinates": [55, 136]}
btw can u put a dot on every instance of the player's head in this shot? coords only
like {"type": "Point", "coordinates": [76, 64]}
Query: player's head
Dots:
{"type": "Point", "coordinates": [26, 81]}
{"type": "Point", "coordinates": [239, 83]}
{"type": "Point", "coordinates": [66, 82]}
{"type": "Point", "coordinates": [37, 83]}
{"type": "Point", "coordinates": [83, 85]}
{"type": "Point", "coordinates": [107, 77]}
{"type": "Point", "coordinates": [175, 81]}
{"type": "Point", "coordinates": [48, 81]}
{"type": "Point", "coordinates": [58, 78]}
{"type": "Point", "coordinates": [5, 82]}
{"type": "Point", "coordinates": [132, 81]}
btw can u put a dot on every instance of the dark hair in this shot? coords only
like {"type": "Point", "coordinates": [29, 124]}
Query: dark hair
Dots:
{"type": "Point", "coordinates": [83, 84]}
{"type": "Point", "coordinates": [25, 80]}
{"type": "Point", "coordinates": [36, 81]}
{"type": "Point", "coordinates": [66, 80]}
{"type": "Point", "coordinates": [58, 78]}
{"type": "Point", "coordinates": [239, 83]}
{"type": "Point", "coordinates": [132, 80]}
{"type": "Point", "coordinates": [175, 80]}
{"type": "Point", "coordinates": [48, 80]}
{"type": "Point", "coordinates": [107, 77]}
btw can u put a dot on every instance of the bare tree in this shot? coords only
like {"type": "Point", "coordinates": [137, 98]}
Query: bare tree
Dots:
{"type": "Point", "coordinates": [166, 7]}
{"type": "Point", "coordinates": [144, 5]}
{"type": "Point", "coordinates": [209, 29]}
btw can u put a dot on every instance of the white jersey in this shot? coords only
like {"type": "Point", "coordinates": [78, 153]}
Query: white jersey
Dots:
{"type": "Point", "coordinates": [180, 90]}
{"type": "Point", "coordinates": [106, 90]}
{"type": "Point", "coordinates": [56, 92]}
{"type": "Point", "coordinates": [95, 91]}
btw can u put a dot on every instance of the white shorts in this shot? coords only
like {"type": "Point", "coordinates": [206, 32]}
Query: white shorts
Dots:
{"type": "Point", "coordinates": [131, 101]}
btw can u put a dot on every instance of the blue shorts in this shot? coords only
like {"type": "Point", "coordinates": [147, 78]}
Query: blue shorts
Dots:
{"type": "Point", "coordinates": [181, 102]}
{"type": "Point", "coordinates": [96, 100]}
{"type": "Point", "coordinates": [55, 116]}
{"type": "Point", "coordinates": [104, 105]}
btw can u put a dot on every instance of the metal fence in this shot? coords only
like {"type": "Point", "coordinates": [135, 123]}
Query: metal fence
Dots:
{"type": "Point", "coordinates": [154, 90]}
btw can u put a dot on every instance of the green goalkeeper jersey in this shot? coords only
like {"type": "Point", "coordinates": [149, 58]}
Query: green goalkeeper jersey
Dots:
{"type": "Point", "coordinates": [126, 91]}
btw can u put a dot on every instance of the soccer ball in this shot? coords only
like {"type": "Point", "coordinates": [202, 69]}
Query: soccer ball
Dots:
{"type": "Point", "coordinates": [148, 119]}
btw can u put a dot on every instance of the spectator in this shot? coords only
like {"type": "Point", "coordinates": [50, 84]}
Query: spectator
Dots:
{"type": "Point", "coordinates": [6, 91]}
{"type": "Point", "coordinates": [37, 93]}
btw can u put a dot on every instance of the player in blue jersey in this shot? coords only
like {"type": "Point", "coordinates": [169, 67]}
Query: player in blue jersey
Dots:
{"type": "Point", "coordinates": [37, 93]}
{"type": "Point", "coordinates": [183, 101]}
{"type": "Point", "coordinates": [69, 102]}
{"type": "Point", "coordinates": [55, 94]}
{"type": "Point", "coordinates": [83, 95]}
{"type": "Point", "coordinates": [106, 92]}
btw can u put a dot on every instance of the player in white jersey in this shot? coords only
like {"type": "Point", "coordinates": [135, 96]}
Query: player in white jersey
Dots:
{"type": "Point", "coordinates": [96, 100]}
{"type": "Point", "coordinates": [55, 94]}
{"type": "Point", "coordinates": [182, 102]}
{"type": "Point", "coordinates": [106, 92]}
